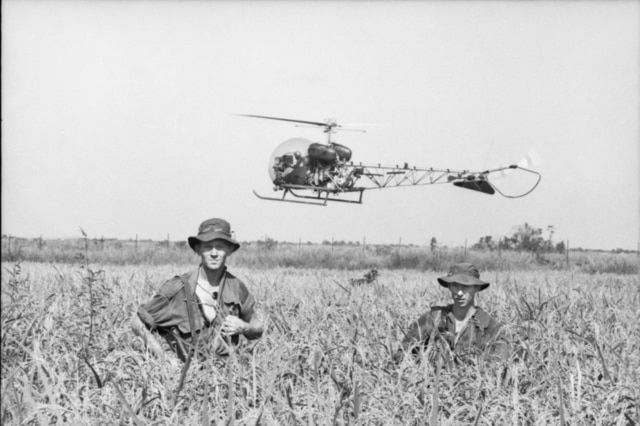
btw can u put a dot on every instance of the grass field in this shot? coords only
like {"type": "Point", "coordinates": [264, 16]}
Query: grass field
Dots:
{"type": "Point", "coordinates": [270, 255]}
{"type": "Point", "coordinates": [68, 356]}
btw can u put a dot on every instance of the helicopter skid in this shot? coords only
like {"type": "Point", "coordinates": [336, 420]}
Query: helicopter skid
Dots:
{"type": "Point", "coordinates": [321, 199]}
{"type": "Point", "coordinates": [284, 199]}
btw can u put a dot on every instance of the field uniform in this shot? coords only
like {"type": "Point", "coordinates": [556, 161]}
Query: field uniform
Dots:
{"type": "Point", "coordinates": [167, 313]}
{"type": "Point", "coordinates": [479, 334]}
{"type": "Point", "coordinates": [473, 334]}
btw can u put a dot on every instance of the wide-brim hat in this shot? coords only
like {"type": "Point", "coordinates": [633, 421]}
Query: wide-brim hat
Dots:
{"type": "Point", "coordinates": [464, 274]}
{"type": "Point", "coordinates": [213, 229]}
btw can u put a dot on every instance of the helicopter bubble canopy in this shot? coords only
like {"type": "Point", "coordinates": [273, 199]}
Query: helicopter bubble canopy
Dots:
{"type": "Point", "coordinates": [288, 154]}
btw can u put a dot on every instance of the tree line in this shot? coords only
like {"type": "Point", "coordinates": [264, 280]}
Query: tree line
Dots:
{"type": "Point", "coordinates": [523, 238]}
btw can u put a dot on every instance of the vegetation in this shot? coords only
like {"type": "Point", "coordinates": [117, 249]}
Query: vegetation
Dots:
{"type": "Point", "coordinates": [524, 238]}
{"type": "Point", "coordinates": [335, 312]}
{"type": "Point", "coordinates": [339, 255]}
{"type": "Point", "coordinates": [69, 357]}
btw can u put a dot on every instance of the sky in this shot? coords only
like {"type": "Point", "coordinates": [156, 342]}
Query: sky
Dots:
{"type": "Point", "coordinates": [118, 117]}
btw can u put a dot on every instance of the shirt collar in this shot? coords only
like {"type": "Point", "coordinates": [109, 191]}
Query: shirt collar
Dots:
{"type": "Point", "coordinates": [195, 274]}
{"type": "Point", "coordinates": [479, 317]}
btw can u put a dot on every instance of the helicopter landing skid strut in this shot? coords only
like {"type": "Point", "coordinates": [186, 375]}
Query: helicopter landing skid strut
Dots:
{"type": "Point", "coordinates": [319, 200]}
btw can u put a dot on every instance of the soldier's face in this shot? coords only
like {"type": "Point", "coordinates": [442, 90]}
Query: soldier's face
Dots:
{"type": "Point", "coordinates": [463, 295]}
{"type": "Point", "coordinates": [214, 253]}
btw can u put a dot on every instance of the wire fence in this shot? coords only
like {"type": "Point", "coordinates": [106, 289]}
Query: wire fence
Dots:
{"type": "Point", "coordinates": [268, 253]}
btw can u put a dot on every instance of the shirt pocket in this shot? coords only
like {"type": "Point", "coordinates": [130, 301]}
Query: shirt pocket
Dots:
{"type": "Point", "coordinates": [230, 304]}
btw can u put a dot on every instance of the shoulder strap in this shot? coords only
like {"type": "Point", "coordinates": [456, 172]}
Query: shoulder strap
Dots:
{"type": "Point", "coordinates": [194, 334]}
{"type": "Point", "coordinates": [223, 284]}
{"type": "Point", "coordinates": [189, 301]}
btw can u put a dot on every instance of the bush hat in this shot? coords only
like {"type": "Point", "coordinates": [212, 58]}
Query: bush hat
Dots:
{"type": "Point", "coordinates": [214, 229]}
{"type": "Point", "coordinates": [464, 274]}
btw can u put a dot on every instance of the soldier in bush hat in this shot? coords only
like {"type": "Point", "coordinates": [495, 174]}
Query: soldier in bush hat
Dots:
{"type": "Point", "coordinates": [463, 327]}
{"type": "Point", "coordinates": [206, 310]}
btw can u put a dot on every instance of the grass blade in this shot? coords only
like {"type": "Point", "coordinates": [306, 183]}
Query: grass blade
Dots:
{"type": "Point", "coordinates": [126, 405]}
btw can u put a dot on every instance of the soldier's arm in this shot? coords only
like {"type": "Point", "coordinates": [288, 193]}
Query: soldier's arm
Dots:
{"type": "Point", "coordinates": [150, 341]}
{"type": "Point", "coordinates": [255, 327]}
{"type": "Point", "coordinates": [496, 343]}
{"type": "Point", "coordinates": [418, 334]}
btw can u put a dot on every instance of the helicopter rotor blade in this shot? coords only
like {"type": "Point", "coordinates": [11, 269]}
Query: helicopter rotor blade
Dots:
{"type": "Point", "coordinates": [315, 123]}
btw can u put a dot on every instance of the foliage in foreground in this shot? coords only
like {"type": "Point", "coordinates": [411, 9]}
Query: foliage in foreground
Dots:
{"type": "Point", "coordinates": [69, 357]}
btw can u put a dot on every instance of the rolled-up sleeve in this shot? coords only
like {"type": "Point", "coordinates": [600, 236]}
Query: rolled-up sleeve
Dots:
{"type": "Point", "coordinates": [157, 312]}
{"type": "Point", "coordinates": [149, 312]}
{"type": "Point", "coordinates": [248, 309]}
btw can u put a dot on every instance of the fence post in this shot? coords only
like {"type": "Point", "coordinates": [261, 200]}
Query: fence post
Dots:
{"type": "Point", "coordinates": [567, 252]}
{"type": "Point", "coordinates": [364, 243]}
{"type": "Point", "coordinates": [40, 243]}
{"type": "Point", "coordinates": [136, 242]}
{"type": "Point", "coordinates": [465, 248]}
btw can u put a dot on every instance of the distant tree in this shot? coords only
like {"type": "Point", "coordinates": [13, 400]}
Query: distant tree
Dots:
{"type": "Point", "coordinates": [485, 243]}
{"type": "Point", "coordinates": [433, 244]}
{"type": "Point", "coordinates": [267, 243]}
{"type": "Point", "coordinates": [506, 243]}
{"type": "Point", "coordinates": [528, 238]}
{"type": "Point", "coordinates": [550, 229]}
{"type": "Point", "coordinates": [560, 247]}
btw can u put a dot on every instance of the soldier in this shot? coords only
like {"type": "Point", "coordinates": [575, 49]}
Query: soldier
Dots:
{"type": "Point", "coordinates": [464, 328]}
{"type": "Point", "coordinates": [209, 302]}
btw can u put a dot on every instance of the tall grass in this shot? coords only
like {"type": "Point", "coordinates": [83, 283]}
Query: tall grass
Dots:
{"type": "Point", "coordinates": [325, 356]}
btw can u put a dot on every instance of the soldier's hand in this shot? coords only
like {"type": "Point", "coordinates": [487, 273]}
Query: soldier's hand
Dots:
{"type": "Point", "coordinates": [233, 325]}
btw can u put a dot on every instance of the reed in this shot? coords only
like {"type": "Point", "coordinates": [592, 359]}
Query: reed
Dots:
{"type": "Point", "coordinates": [325, 357]}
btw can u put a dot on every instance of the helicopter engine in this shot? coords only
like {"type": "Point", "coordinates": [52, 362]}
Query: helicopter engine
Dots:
{"type": "Point", "coordinates": [302, 162]}
{"type": "Point", "coordinates": [327, 165]}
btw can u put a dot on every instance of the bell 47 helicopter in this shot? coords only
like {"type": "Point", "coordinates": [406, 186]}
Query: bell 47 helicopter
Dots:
{"type": "Point", "coordinates": [316, 173]}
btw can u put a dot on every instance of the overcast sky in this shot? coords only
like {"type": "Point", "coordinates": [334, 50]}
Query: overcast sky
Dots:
{"type": "Point", "coordinates": [117, 117]}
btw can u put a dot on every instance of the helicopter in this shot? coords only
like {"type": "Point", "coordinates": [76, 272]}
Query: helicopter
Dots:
{"type": "Point", "coordinates": [318, 173]}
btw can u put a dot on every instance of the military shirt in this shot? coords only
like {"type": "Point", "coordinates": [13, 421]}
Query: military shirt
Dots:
{"type": "Point", "coordinates": [479, 334]}
{"type": "Point", "coordinates": [167, 311]}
